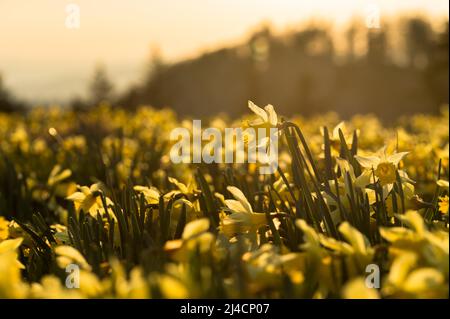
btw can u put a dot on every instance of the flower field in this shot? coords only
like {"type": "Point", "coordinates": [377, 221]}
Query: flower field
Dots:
{"type": "Point", "coordinates": [355, 209]}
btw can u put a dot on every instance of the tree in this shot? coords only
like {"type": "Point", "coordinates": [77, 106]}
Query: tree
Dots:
{"type": "Point", "coordinates": [101, 88]}
{"type": "Point", "coordinates": [377, 47]}
{"type": "Point", "coordinates": [7, 102]}
{"type": "Point", "coordinates": [436, 71]}
{"type": "Point", "coordinates": [418, 41]}
{"type": "Point", "coordinates": [351, 36]}
{"type": "Point", "coordinates": [152, 91]}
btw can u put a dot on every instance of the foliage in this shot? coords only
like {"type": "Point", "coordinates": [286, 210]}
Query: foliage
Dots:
{"type": "Point", "coordinates": [99, 191]}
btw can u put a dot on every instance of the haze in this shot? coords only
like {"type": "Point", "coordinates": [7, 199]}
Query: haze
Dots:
{"type": "Point", "coordinates": [42, 60]}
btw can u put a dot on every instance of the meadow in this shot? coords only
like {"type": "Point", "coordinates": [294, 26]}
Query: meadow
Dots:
{"type": "Point", "coordinates": [356, 209]}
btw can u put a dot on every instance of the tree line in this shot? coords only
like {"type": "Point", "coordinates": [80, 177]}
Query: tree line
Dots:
{"type": "Point", "coordinates": [394, 73]}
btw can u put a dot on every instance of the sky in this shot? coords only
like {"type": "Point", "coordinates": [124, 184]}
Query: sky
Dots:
{"type": "Point", "coordinates": [41, 59]}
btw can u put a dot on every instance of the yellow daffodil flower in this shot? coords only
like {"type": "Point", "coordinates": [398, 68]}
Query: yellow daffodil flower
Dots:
{"type": "Point", "coordinates": [88, 200]}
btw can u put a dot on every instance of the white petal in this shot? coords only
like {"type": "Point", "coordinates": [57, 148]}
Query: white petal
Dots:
{"type": "Point", "coordinates": [386, 190]}
{"type": "Point", "coordinates": [396, 158]}
{"type": "Point", "coordinates": [382, 154]}
{"type": "Point", "coordinates": [404, 177]}
{"type": "Point", "coordinates": [340, 126]}
{"type": "Point", "coordinates": [76, 197]}
{"type": "Point", "coordinates": [237, 194]}
{"type": "Point", "coordinates": [95, 187]}
{"type": "Point", "coordinates": [273, 118]}
{"type": "Point", "coordinates": [358, 241]}
{"type": "Point", "coordinates": [182, 187]}
{"type": "Point", "coordinates": [258, 111]}
{"type": "Point", "coordinates": [10, 245]}
{"type": "Point", "coordinates": [195, 227]}
{"type": "Point", "coordinates": [364, 179]}
{"type": "Point", "coordinates": [235, 206]}
{"type": "Point", "coordinates": [256, 123]}
{"type": "Point", "coordinates": [443, 183]}
{"type": "Point", "coordinates": [345, 166]}
{"type": "Point", "coordinates": [368, 161]}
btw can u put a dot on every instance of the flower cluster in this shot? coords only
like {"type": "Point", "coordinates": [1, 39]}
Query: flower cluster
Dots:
{"type": "Point", "coordinates": [354, 210]}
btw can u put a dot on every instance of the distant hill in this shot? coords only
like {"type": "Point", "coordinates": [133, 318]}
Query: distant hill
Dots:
{"type": "Point", "coordinates": [300, 74]}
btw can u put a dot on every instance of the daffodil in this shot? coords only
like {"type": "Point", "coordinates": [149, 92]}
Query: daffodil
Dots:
{"type": "Point", "coordinates": [335, 139]}
{"type": "Point", "coordinates": [242, 218]}
{"type": "Point", "coordinates": [357, 289]}
{"type": "Point", "coordinates": [357, 247]}
{"type": "Point", "coordinates": [267, 117]}
{"type": "Point", "coordinates": [188, 190]}
{"type": "Point", "coordinates": [171, 287]}
{"type": "Point", "coordinates": [381, 168]}
{"type": "Point", "coordinates": [344, 185]}
{"type": "Point", "coordinates": [61, 234]}
{"type": "Point", "coordinates": [67, 255]}
{"type": "Point", "coordinates": [443, 183]}
{"type": "Point", "coordinates": [57, 181]}
{"type": "Point", "coordinates": [443, 204]}
{"type": "Point", "coordinates": [281, 191]}
{"type": "Point", "coordinates": [133, 286]}
{"type": "Point", "coordinates": [266, 265]}
{"type": "Point", "coordinates": [383, 165]}
{"type": "Point", "coordinates": [151, 194]}
{"type": "Point", "coordinates": [11, 246]}
{"type": "Point", "coordinates": [88, 199]}
{"type": "Point", "coordinates": [4, 229]}
{"type": "Point", "coordinates": [407, 280]}
{"type": "Point", "coordinates": [318, 264]}
{"type": "Point", "coordinates": [51, 287]}
{"type": "Point", "coordinates": [420, 259]}
{"type": "Point", "coordinates": [57, 175]}
{"type": "Point", "coordinates": [195, 238]}
{"type": "Point", "coordinates": [11, 285]}
{"type": "Point", "coordinates": [409, 196]}
{"type": "Point", "coordinates": [267, 120]}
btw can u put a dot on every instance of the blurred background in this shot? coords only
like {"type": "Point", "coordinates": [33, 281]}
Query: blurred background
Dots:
{"type": "Point", "coordinates": [204, 57]}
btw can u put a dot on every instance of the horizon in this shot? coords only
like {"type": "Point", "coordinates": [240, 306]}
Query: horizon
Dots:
{"type": "Point", "coordinates": [36, 70]}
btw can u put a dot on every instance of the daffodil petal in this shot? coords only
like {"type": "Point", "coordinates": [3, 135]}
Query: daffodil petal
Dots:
{"type": "Point", "coordinates": [258, 111]}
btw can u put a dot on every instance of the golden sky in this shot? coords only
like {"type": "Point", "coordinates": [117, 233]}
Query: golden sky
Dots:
{"type": "Point", "coordinates": [41, 58]}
